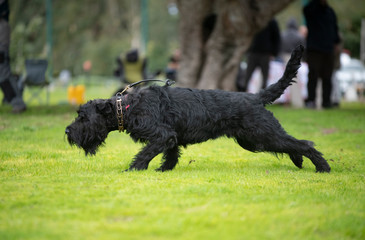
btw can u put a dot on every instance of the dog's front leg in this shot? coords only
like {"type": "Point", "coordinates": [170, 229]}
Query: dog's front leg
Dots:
{"type": "Point", "coordinates": [143, 158]}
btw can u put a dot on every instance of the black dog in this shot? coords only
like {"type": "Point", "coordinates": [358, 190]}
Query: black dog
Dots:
{"type": "Point", "coordinates": [166, 118]}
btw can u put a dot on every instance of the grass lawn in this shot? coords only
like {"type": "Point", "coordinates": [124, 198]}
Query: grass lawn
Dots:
{"type": "Point", "coordinates": [49, 190]}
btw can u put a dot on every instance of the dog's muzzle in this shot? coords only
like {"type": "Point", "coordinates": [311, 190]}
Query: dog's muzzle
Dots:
{"type": "Point", "coordinates": [67, 131]}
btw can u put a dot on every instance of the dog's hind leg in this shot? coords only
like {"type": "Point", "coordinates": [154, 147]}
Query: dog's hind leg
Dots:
{"type": "Point", "coordinates": [170, 159]}
{"type": "Point", "coordinates": [284, 143]}
{"type": "Point", "coordinates": [245, 144]}
{"type": "Point", "coordinates": [317, 159]}
{"type": "Point", "coordinates": [296, 149]}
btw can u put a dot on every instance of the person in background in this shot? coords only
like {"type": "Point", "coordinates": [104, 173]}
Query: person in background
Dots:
{"type": "Point", "coordinates": [8, 82]}
{"type": "Point", "coordinates": [336, 91]}
{"type": "Point", "coordinates": [131, 68]}
{"type": "Point", "coordinates": [322, 39]}
{"type": "Point", "coordinates": [266, 44]}
{"type": "Point", "coordinates": [173, 66]}
{"type": "Point", "coordinates": [290, 39]}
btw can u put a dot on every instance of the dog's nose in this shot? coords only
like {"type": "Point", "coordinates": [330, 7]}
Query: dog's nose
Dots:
{"type": "Point", "coordinates": [67, 130]}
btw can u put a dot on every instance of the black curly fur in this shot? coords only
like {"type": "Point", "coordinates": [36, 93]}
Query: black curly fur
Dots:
{"type": "Point", "coordinates": [166, 118]}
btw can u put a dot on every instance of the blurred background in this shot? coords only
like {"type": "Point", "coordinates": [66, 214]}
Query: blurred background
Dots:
{"type": "Point", "coordinates": [93, 30]}
{"type": "Point", "coordinates": [100, 30]}
{"type": "Point", "coordinates": [84, 38]}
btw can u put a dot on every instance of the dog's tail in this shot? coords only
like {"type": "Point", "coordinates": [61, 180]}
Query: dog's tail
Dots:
{"type": "Point", "coordinates": [274, 91]}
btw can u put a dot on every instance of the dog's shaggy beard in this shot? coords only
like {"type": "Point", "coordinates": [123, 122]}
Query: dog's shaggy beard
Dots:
{"type": "Point", "coordinates": [90, 128]}
{"type": "Point", "coordinates": [89, 141]}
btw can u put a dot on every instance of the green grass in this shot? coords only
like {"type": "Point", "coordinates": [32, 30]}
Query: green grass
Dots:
{"type": "Point", "coordinates": [49, 190]}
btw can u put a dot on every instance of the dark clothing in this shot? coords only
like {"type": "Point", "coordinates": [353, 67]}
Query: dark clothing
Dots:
{"type": "Point", "coordinates": [321, 40]}
{"type": "Point", "coordinates": [5, 73]}
{"type": "Point", "coordinates": [261, 60]}
{"type": "Point", "coordinates": [320, 66]}
{"type": "Point", "coordinates": [322, 27]}
{"type": "Point", "coordinates": [267, 40]}
{"type": "Point", "coordinates": [8, 82]}
{"type": "Point", "coordinates": [4, 50]}
{"type": "Point", "coordinates": [4, 10]}
{"type": "Point", "coordinates": [265, 44]}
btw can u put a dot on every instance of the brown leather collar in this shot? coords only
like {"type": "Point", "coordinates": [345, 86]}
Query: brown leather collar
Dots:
{"type": "Point", "coordinates": [119, 96]}
{"type": "Point", "coordinates": [120, 112]}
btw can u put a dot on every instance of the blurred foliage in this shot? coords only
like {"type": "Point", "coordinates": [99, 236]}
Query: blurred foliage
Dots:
{"type": "Point", "coordinates": [89, 30]}
{"type": "Point", "coordinates": [101, 30]}
{"type": "Point", "coordinates": [163, 34]}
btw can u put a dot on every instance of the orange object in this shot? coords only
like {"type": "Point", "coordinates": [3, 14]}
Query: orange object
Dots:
{"type": "Point", "coordinates": [76, 94]}
{"type": "Point", "coordinates": [87, 65]}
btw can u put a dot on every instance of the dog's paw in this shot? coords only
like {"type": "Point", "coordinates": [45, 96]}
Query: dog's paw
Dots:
{"type": "Point", "coordinates": [323, 170]}
{"type": "Point", "coordinates": [138, 166]}
{"type": "Point", "coordinates": [161, 169]}
{"type": "Point", "coordinates": [131, 169]}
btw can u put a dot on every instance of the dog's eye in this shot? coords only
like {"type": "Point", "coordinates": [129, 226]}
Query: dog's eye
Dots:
{"type": "Point", "coordinates": [82, 118]}
{"type": "Point", "coordinates": [81, 114]}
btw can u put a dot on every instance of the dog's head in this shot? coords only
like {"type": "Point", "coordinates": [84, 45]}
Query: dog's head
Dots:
{"type": "Point", "coordinates": [91, 127]}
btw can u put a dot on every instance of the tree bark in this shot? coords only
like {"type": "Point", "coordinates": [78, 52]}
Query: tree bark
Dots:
{"type": "Point", "coordinates": [192, 14]}
{"type": "Point", "coordinates": [214, 36]}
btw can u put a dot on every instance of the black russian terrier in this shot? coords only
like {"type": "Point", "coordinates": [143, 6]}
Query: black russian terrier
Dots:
{"type": "Point", "coordinates": [166, 118]}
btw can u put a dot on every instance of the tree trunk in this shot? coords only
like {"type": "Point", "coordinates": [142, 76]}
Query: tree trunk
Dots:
{"type": "Point", "coordinates": [214, 34]}
{"type": "Point", "coordinates": [192, 14]}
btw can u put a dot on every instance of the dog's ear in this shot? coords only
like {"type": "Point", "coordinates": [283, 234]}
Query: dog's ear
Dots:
{"type": "Point", "coordinates": [104, 107]}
